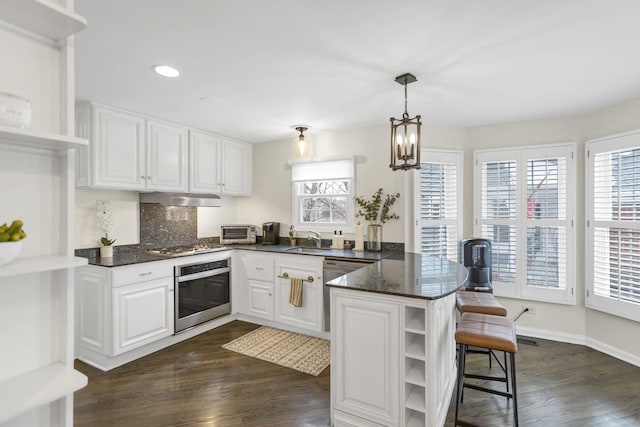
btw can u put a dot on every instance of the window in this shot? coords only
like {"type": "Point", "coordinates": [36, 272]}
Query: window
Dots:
{"type": "Point", "coordinates": [323, 195]}
{"type": "Point", "coordinates": [613, 225]}
{"type": "Point", "coordinates": [524, 204]}
{"type": "Point", "coordinates": [439, 216]}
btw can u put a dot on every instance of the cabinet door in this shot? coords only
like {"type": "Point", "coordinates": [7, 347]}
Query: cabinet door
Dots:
{"type": "Point", "coordinates": [143, 313]}
{"type": "Point", "coordinates": [204, 155]}
{"type": "Point", "coordinates": [309, 315]}
{"type": "Point", "coordinates": [118, 149]}
{"type": "Point", "coordinates": [260, 302]}
{"type": "Point", "coordinates": [365, 362]}
{"type": "Point", "coordinates": [166, 157]}
{"type": "Point", "coordinates": [235, 176]}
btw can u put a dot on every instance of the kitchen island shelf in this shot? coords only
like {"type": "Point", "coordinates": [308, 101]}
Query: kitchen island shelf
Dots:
{"type": "Point", "coordinates": [38, 139]}
{"type": "Point", "coordinates": [32, 389]}
{"type": "Point", "coordinates": [38, 264]}
{"type": "Point", "coordinates": [42, 17]}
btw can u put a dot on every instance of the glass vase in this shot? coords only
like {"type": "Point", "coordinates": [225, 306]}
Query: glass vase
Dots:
{"type": "Point", "coordinates": [374, 237]}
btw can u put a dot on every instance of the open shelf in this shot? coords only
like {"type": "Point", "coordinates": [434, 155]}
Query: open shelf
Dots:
{"type": "Point", "coordinates": [414, 418]}
{"type": "Point", "coordinates": [415, 372]}
{"type": "Point", "coordinates": [414, 320]}
{"type": "Point", "coordinates": [38, 139]}
{"type": "Point", "coordinates": [414, 346]}
{"type": "Point", "coordinates": [27, 265]}
{"type": "Point", "coordinates": [42, 17]}
{"type": "Point", "coordinates": [415, 398]}
{"type": "Point", "coordinates": [38, 387]}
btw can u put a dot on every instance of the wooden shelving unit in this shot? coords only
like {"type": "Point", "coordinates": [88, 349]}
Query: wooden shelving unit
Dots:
{"type": "Point", "coordinates": [415, 366]}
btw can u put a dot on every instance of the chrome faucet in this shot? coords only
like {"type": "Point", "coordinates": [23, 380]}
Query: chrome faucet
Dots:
{"type": "Point", "coordinates": [315, 236]}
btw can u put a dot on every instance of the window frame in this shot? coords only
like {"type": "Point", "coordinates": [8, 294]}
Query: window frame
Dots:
{"type": "Point", "coordinates": [323, 171]}
{"type": "Point", "coordinates": [521, 155]}
{"type": "Point", "coordinates": [440, 157]}
{"type": "Point", "coordinates": [618, 142]}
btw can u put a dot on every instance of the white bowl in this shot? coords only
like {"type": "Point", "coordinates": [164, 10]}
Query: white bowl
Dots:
{"type": "Point", "coordinates": [9, 251]}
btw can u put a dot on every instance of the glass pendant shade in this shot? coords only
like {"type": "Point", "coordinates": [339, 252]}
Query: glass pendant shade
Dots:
{"type": "Point", "coordinates": [405, 135]}
{"type": "Point", "coordinates": [301, 144]}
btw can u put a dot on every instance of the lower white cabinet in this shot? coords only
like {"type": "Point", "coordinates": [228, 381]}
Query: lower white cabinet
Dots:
{"type": "Point", "coordinates": [309, 268]}
{"type": "Point", "coordinates": [262, 285]}
{"type": "Point", "coordinates": [122, 308]}
{"type": "Point", "coordinates": [365, 359]}
{"type": "Point", "coordinates": [142, 313]}
{"type": "Point", "coordinates": [393, 359]}
{"type": "Point", "coordinates": [260, 302]}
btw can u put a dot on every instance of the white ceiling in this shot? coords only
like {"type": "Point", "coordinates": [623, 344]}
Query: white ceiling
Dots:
{"type": "Point", "coordinates": [265, 65]}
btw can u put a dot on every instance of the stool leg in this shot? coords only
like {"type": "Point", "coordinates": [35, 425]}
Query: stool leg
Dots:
{"type": "Point", "coordinates": [506, 371]}
{"type": "Point", "coordinates": [513, 387]}
{"type": "Point", "coordinates": [462, 353]}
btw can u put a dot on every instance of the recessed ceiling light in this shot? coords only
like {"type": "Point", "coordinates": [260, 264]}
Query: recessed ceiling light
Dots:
{"type": "Point", "coordinates": [166, 70]}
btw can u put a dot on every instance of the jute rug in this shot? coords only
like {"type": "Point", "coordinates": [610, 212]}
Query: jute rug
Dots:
{"type": "Point", "coordinates": [295, 351]}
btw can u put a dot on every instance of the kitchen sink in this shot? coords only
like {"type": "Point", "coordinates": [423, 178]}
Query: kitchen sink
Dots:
{"type": "Point", "coordinates": [303, 250]}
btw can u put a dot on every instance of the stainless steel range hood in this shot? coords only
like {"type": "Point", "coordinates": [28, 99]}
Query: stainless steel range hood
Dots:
{"type": "Point", "coordinates": [178, 199]}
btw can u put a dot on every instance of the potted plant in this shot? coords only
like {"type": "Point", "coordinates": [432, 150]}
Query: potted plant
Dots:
{"type": "Point", "coordinates": [105, 222]}
{"type": "Point", "coordinates": [377, 212]}
{"type": "Point", "coordinates": [292, 235]}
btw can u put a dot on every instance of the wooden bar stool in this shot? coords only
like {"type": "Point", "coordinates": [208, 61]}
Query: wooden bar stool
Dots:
{"type": "Point", "coordinates": [493, 333]}
{"type": "Point", "coordinates": [483, 303]}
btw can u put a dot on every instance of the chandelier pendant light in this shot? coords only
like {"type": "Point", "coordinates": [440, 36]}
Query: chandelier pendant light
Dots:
{"type": "Point", "coordinates": [405, 134]}
{"type": "Point", "coordinates": [301, 145]}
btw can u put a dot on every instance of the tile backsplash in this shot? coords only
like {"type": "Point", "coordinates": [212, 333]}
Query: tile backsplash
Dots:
{"type": "Point", "coordinates": [166, 226]}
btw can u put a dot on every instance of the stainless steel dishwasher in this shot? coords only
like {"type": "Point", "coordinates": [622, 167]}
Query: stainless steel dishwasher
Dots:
{"type": "Point", "coordinates": [336, 267]}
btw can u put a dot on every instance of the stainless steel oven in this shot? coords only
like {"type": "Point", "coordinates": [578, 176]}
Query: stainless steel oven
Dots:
{"type": "Point", "coordinates": [202, 292]}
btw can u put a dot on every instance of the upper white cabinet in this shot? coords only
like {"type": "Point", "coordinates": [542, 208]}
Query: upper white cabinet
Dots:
{"type": "Point", "coordinates": [129, 152]}
{"type": "Point", "coordinates": [166, 157]}
{"type": "Point", "coordinates": [219, 165]}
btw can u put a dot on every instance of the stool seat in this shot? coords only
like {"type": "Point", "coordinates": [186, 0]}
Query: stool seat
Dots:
{"type": "Point", "coordinates": [479, 302]}
{"type": "Point", "coordinates": [487, 331]}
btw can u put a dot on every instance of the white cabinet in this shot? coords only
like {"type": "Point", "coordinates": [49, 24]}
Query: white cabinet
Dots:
{"type": "Point", "coordinates": [262, 285]}
{"type": "Point", "coordinates": [365, 359]}
{"type": "Point", "coordinates": [142, 313]}
{"type": "Point", "coordinates": [260, 299]}
{"type": "Point", "coordinates": [310, 314]}
{"type": "Point", "coordinates": [253, 284]}
{"type": "Point", "coordinates": [123, 308]}
{"type": "Point", "coordinates": [130, 152]}
{"type": "Point", "coordinates": [219, 165]}
{"type": "Point", "coordinates": [166, 157]}
{"type": "Point", "coordinates": [393, 359]}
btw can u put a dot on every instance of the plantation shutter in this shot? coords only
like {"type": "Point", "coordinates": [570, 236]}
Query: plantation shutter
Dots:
{"type": "Point", "coordinates": [613, 241]}
{"type": "Point", "coordinates": [440, 201]}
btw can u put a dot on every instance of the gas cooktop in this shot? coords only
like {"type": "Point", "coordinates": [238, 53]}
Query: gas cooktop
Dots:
{"type": "Point", "coordinates": [185, 250]}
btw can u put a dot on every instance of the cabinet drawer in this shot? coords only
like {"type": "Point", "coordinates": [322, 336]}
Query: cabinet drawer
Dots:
{"type": "Point", "coordinates": [259, 267]}
{"type": "Point", "coordinates": [141, 273]}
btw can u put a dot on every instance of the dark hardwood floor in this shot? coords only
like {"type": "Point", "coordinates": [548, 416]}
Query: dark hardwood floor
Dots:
{"type": "Point", "coordinates": [197, 383]}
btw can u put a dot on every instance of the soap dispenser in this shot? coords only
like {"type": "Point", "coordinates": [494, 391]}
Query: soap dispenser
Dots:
{"type": "Point", "coordinates": [340, 241]}
{"type": "Point", "coordinates": [334, 240]}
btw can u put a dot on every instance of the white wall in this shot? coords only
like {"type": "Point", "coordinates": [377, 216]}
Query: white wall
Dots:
{"type": "Point", "coordinates": [271, 200]}
{"type": "Point", "coordinates": [569, 323]}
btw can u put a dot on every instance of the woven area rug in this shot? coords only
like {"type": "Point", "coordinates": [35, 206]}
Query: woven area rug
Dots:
{"type": "Point", "coordinates": [295, 351]}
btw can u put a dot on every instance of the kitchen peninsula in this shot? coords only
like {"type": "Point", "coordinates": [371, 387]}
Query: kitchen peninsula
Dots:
{"type": "Point", "coordinates": [392, 342]}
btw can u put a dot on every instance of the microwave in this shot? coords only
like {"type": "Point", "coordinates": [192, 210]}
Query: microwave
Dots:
{"type": "Point", "coordinates": [238, 234]}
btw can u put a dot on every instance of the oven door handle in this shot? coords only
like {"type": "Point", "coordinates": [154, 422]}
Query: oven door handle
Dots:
{"type": "Point", "coordinates": [202, 274]}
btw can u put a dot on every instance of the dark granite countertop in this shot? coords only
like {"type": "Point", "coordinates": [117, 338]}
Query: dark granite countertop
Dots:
{"type": "Point", "coordinates": [397, 273]}
{"type": "Point", "coordinates": [324, 252]}
{"type": "Point", "coordinates": [416, 276]}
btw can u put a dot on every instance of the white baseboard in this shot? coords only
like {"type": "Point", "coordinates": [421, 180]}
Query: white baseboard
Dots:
{"type": "Point", "coordinates": [580, 340]}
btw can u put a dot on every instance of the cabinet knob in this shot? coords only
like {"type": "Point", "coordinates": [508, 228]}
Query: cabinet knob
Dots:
{"type": "Point", "coordinates": [148, 177]}
{"type": "Point", "coordinates": [259, 268]}
{"type": "Point", "coordinates": [141, 176]}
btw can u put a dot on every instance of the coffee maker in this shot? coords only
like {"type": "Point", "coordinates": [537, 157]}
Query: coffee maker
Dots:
{"type": "Point", "coordinates": [475, 254]}
{"type": "Point", "coordinates": [271, 233]}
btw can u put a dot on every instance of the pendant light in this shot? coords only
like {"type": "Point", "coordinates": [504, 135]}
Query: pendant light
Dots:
{"type": "Point", "coordinates": [405, 134]}
{"type": "Point", "coordinates": [301, 144]}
